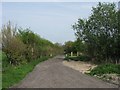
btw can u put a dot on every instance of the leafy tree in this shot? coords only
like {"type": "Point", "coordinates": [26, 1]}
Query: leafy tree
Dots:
{"type": "Point", "coordinates": [68, 47]}
{"type": "Point", "coordinates": [100, 32]}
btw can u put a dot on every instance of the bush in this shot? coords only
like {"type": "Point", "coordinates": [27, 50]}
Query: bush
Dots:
{"type": "Point", "coordinates": [12, 46]}
{"type": "Point", "coordinates": [15, 51]}
{"type": "Point", "coordinates": [106, 69]}
{"type": "Point", "coordinates": [4, 61]}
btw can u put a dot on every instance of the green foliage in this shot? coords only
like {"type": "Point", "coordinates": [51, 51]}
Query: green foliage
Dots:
{"type": "Point", "coordinates": [39, 46]}
{"type": "Point", "coordinates": [101, 33]}
{"type": "Point", "coordinates": [79, 46]}
{"type": "Point", "coordinates": [106, 69]}
{"type": "Point", "coordinates": [13, 74]}
{"type": "Point", "coordinates": [23, 45]}
{"type": "Point", "coordinates": [12, 45]}
{"type": "Point", "coordinates": [22, 49]}
{"type": "Point", "coordinates": [5, 62]}
{"type": "Point", "coordinates": [76, 46]}
{"type": "Point", "coordinates": [68, 47]}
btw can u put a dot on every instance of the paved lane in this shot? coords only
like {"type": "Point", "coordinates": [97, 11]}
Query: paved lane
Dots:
{"type": "Point", "coordinates": [53, 74]}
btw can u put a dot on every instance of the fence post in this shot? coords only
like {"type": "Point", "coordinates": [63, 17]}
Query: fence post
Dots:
{"type": "Point", "coordinates": [66, 55]}
{"type": "Point", "coordinates": [77, 53]}
{"type": "Point", "coordinates": [51, 55]}
{"type": "Point", "coordinates": [71, 53]}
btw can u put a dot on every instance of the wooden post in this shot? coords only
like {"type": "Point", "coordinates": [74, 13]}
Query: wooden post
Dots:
{"type": "Point", "coordinates": [66, 55]}
{"type": "Point", "coordinates": [77, 53]}
{"type": "Point", "coordinates": [32, 51]}
{"type": "Point", "coordinates": [71, 53]}
{"type": "Point", "coordinates": [51, 55]}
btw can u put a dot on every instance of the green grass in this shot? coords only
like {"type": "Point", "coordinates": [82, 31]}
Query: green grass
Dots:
{"type": "Point", "coordinates": [106, 69]}
{"type": "Point", "coordinates": [12, 75]}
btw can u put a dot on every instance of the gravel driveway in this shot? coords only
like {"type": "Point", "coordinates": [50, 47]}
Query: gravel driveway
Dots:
{"type": "Point", "coordinates": [53, 74]}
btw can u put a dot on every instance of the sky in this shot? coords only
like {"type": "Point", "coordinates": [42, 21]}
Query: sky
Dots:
{"type": "Point", "coordinates": [51, 20]}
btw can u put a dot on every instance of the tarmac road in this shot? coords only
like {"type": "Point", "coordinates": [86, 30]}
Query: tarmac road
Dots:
{"type": "Point", "coordinates": [53, 74]}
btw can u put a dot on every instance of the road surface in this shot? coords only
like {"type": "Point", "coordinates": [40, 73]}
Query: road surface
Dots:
{"type": "Point", "coordinates": [53, 74]}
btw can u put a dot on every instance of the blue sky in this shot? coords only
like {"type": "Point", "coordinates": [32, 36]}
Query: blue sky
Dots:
{"type": "Point", "coordinates": [51, 20]}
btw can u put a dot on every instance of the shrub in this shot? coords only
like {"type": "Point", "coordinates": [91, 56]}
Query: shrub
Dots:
{"type": "Point", "coordinates": [106, 69]}
{"type": "Point", "coordinates": [4, 60]}
{"type": "Point", "coordinates": [12, 46]}
{"type": "Point", "coordinates": [15, 51]}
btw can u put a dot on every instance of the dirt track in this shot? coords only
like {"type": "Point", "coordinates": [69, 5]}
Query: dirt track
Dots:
{"type": "Point", "coordinates": [53, 74]}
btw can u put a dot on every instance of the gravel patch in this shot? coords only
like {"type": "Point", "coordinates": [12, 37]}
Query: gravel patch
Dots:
{"type": "Point", "coordinates": [85, 67]}
{"type": "Point", "coordinates": [82, 67]}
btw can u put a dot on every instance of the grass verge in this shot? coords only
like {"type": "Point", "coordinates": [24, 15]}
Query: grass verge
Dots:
{"type": "Point", "coordinates": [106, 69]}
{"type": "Point", "coordinates": [107, 72]}
{"type": "Point", "coordinates": [12, 75]}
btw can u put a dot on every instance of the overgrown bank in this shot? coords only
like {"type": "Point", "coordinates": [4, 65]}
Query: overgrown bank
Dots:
{"type": "Point", "coordinates": [22, 49]}
{"type": "Point", "coordinates": [14, 74]}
